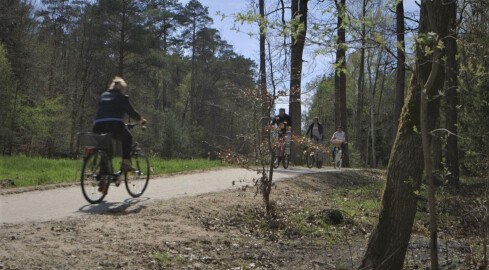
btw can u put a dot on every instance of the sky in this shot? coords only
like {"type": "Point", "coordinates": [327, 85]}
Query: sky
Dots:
{"type": "Point", "coordinates": [249, 47]}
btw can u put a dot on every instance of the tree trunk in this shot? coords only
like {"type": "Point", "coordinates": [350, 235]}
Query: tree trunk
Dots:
{"type": "Point", "coordinates": [426, 96]}
{"type": "Point", "coordinates": [340, 78]}
{"type": "Point", "coordinates": [401, 68]}
{"type": "Point", "coordinates": [388, 243]}
{"type": "Point", "coordinates": [123, 38]}
{"type": "Point", "coordinates": [361, 83]}
{"type": "Point", "coordinates": [263, 73]}
{"type": "Point", "coordinates": [373, 163]}
{"type": "Point", "coordinates": [436, 147]}
{"type": "Point", "coordinates": [299, 14]}
{"type": "Point", "coordinates": [451, 97]}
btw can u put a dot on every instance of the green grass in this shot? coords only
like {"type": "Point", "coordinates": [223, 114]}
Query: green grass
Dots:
{"type": "Point", "coordinates": [181, 165]}
{"type": "Point", "coordinates": [29, 171]}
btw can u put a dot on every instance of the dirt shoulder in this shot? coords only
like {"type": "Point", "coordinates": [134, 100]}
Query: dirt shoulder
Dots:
{"type": "Point", "coordinates": [225, 230]}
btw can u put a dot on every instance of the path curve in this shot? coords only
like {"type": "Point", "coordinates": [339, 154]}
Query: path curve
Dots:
{"type": "Point", "coordinates": [62, 203]}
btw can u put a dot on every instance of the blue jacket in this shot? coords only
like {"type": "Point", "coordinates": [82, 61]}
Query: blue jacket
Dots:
{"type": "Point", "coordinates": [113, 105]}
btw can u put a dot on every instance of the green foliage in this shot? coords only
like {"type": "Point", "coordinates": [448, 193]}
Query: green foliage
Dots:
{"type": "Point", "coordinates": [8, 88]}
{"type": "Point", "coordinates": [473, 129]}
{"type": "Point", "coordinates": [74, 50]}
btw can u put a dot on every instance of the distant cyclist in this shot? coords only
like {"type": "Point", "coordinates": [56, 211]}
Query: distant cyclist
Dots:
{"type": "Point", "coordinates": [339, 138]}
{"type": "Point", "coordinates": [315, 131]}
{"type": "Point", "coordinates": [284, 124]}
{"type": "Point", "coordinates": [283, 121]}
{"type": "Point", "coordinates": [112, 106]}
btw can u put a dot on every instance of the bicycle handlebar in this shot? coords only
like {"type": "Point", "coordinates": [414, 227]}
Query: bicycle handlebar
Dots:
{"type": "Point", "coordinates": [131, 126]}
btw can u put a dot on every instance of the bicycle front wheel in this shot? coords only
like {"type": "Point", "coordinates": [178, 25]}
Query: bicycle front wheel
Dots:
{"type": "Point", "coordinates": [93, 187]}
{"type": "Point", "coordinates": [137, 179]}
{"type": "Point", "coordinates": [310, 160]}
{"type": "Point", "coordinates": [337, 160]}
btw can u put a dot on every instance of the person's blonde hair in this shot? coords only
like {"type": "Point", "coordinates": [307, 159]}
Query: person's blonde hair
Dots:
{"type": "Point", "coordinates": [118, 84]}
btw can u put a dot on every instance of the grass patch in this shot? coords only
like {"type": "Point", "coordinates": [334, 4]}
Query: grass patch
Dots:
{"type": "Point", "coordinates": [27, 171]}
{"type": "Point", "coordinates": [165, 259]}
{"type": "Point", "coordinates": [32, 171]}
{"type": "Point", "coordinates": [161, 166]}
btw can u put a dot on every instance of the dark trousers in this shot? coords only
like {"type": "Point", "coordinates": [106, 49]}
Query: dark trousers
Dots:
{"type": "Point", "coordinates": [119, 132]}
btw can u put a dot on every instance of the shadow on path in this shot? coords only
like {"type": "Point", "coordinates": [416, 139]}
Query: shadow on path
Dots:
{"type": "Point", "coordinates": [127, 207]}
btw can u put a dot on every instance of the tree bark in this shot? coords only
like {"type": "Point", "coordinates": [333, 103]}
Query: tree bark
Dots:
{"type": "Point", "coordinates": [123, 38]}
{"type": "Point", "coordinates": [436, 147]}
{"type": "Point", "coordinates": [389, 240]}
{"type": "Point", "coordinates": [340, 78]}
{"type": "Point", "coordinates": [299, 15]}
{"type": "Point", "coordinates": [373, 163]}
{"type": "Point", "coordinates": [451, 97]}
{"type": "Point", "coordinates": [401, 68]}
{"type": "Point", "coordinates": [426, 97]}
{"type": "Point", "coordinates": [361, 83]}
{"type": "Point", "coordinates": [263, 72]}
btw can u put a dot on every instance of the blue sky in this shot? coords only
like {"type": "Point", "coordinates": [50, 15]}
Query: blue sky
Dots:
{"type": "Point", "coordinates": [242, 42]}
{"type": "Point", "coordinates": [248, 46]}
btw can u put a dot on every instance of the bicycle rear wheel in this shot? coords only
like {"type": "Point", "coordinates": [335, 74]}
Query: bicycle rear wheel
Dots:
{"type": "Point", "coordinates": [137, 180]}
{"type": "Point", "coordinates": [310, 159]}
{"type": "Point", "coordinates": [93, 187]}
{"type": "Point", "coordinates": [276, 163]}
{"type": "Point", "coordinates": [286, 161]}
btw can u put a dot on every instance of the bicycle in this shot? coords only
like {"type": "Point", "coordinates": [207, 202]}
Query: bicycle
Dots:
{"type": "Point", "coordinates": [97, 171]}
{"type": "Point", "coordinates": [312, 157]}
{"type": "Point", "coordinates": [283, 152]}
{"type": "Point", "coordinates": [337, 155]}
{"type": "Point", "coordinates": [314, 154]}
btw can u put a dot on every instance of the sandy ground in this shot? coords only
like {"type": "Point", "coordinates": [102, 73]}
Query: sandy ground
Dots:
{"type": "Point", "coordinates": [215, 230]}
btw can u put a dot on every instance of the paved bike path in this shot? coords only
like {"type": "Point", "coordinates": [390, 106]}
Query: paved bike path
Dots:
{"type": "Point", "coordinates": [60, 203]}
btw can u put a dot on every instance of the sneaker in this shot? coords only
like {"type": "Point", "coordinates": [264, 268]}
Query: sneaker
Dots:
{"type": "Point", "coordinates": [126, 165]}
{"type": "Point", "coordinates": [102, 187]}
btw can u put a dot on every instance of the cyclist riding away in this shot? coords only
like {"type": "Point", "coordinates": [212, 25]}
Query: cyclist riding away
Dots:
{"type": "Point", "coordinates": [338, 139]}
{"type": "Point", "coordinates": [284, 123]}
{"type": "Point", "coordinates": [112, 106]}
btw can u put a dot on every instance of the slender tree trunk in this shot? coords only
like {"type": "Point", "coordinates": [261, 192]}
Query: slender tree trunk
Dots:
{"type": "Point", "coordinates": [263, 73]}
{"type": "Point", "coordinates": [361, 83]}
{"type": "Point", "coordinates": [426, 96]}
{"type": "Point", "coordinates": [123, 38]}
{"type": "Point", "coordinates": [340, 78]}
{"type": "Point", "coordinates": [388, 243]}
{"type": "Point", "coordinates": [299, 14]}
{"type": "Point", "coordinates": [382, 87]}
{"type": "Point", "coordinates": [436, 147]}
{"type": "Point", "coordinates": [451, 97]}
{"type": "Point", "coordinates": [193, 105]}
{"type": "Point", "coordinates": [401, 68]}
{"type": "Point", "coordinates": [373, 163]}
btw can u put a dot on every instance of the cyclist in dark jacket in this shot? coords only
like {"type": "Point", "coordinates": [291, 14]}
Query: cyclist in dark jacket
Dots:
{"type": "Point", "coordinates": [282, 120]}
{"type": "Point", "coordinates": [112, 106]}
{"type": "Point", "coordinates": [315, 131]}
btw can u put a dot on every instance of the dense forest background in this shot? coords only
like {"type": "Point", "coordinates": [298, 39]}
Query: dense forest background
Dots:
{"type": "Point", "coordinates": [57, 56]}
